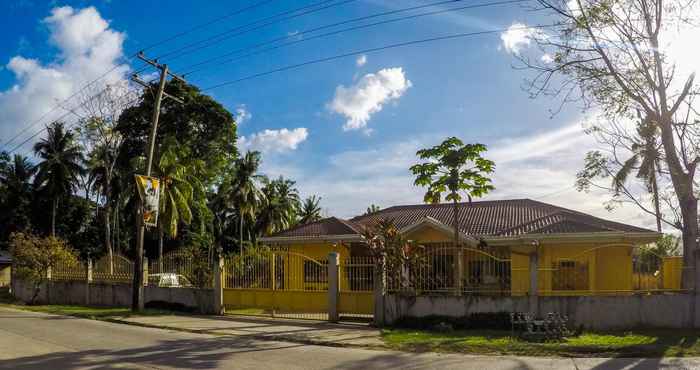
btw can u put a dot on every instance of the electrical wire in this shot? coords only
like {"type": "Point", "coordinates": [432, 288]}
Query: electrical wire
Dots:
{"type": "Point", "coordinates": [372, 50]}
{"type": "Point", "coordinates": [213, 40]}
{"type": "Point", "coordinates": [354, 28]}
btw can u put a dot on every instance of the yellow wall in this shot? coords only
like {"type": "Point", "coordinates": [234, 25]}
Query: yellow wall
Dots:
{"type": "Point", "coordinates": [5, 273]}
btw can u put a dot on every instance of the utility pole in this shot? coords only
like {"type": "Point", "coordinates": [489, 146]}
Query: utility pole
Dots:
{"type": "Point", "coordinates": [137, 299]}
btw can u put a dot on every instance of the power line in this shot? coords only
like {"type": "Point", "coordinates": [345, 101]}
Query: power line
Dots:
{"type": "Point", "coordinates": [354, 28]}
{"type": "Point", "coordinates": [32, 124]}
{"type": "Point", "coordinates": [26, 128]}
{"type": "Point", "coordinates": [207, 24]}
{"type": "Point", "coordinates": [177, 53]}
{"type": "Point", "coordinates": [371, 50]}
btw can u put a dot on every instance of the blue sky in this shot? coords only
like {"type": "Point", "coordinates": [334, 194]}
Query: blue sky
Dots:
{"type": "Point", "coordinates": [394, 101]}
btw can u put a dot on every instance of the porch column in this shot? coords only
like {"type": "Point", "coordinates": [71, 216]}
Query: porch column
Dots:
{"type": "Point", "coordinates": [333, 286]}
{"type": "Point", "coordinates": [533, 296]}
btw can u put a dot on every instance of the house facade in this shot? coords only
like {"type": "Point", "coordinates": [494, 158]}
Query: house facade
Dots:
{"type": "Point", "coordinates": [503, 243]}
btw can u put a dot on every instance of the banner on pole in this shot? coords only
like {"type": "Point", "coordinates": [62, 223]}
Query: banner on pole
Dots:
{"type": "Point", "coordinates": [149, 191]}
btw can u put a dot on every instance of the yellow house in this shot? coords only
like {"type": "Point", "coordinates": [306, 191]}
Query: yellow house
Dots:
{"type": "Point", "coordinates": [507, 247]}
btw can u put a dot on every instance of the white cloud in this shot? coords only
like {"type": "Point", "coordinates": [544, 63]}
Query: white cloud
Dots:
{"type": "Point", "coordinates": [87, 49]}
{"type": "Point", "coordinates": [241, 114]}
{"type": "Point", "coordinates": [366, 97]}
{"type": "Point", "coordinates": [539, 166]}
{"type": "Point", "coordinates": [546, 58]}
{"type": "Point", "coordinates": [361, 60]}
{"type": "Point", "coordinates": [274, 141]}
{"type": "Point", "coordinates": [517, 37]}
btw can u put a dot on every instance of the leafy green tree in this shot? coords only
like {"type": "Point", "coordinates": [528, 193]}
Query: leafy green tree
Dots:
{"type": "Point", "coordinates": [34, 256]}
{"type": "Point", "coordinates": [201, 124]}
{"type": "Point", "coordinates": [453, 168]}
{"type": "Point", "coordinates": [60, 167]}
{"type": "Point", "coordinates": [310, 210]}
{"type": "Point", "coordinates": [280, 206]}
{"type": "Point", "coordinates": [15, 183]}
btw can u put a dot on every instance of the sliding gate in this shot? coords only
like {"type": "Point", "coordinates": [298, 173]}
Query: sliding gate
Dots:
{"type": "Point", "coordinates": [282, 283]}
{"type": "Point", "coordinates": [276, 283]}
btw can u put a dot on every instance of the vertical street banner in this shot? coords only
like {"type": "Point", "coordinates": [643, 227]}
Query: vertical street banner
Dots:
{"type": "Point", "coordinates": [149, 191]}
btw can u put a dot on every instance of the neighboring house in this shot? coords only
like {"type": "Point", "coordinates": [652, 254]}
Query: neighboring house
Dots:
{"type": "Point", "coordinates": [5, 268]}
{"type": "Point", "coordinates": [576, 253]}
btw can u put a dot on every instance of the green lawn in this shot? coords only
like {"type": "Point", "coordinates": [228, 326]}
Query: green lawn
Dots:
{"type": "Point", "coordinates": [643, 343]}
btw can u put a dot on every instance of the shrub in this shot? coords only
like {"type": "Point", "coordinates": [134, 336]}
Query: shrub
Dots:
{"type": "Point", "coordinates": [477, 320]}
{"type": "Point", "coordinates": [33, 256]}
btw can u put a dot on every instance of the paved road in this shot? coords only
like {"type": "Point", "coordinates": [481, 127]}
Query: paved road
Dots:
{"type": "Point", "coordinates": [39, 341]}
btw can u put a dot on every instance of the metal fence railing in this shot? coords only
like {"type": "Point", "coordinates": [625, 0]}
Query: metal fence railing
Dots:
{"type": "Point", "coordinates": [119, 269]}
{"type": "Point", "coordinates": [179, 269]}
{"type": "Point", "coordinates": [277, 270]}
{"type": "Point", "coordinates": [356, 274]}
{"type": "Point", "coordinates": [441, 268]}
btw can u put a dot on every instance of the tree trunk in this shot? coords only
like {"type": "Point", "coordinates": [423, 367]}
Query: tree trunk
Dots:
{"type": "Point", "coordinates": [160, 248]}
{"type": "Point", "coordinates": [240, 232]}
{"type": "Point", "coordinates": [54, 208]}
{"type": "Point", "coordinates": [108, 228]}
{"type": "Point", "coordinates": [655, 192]}
{"type": "Point", "coordinates": [688, 203]}
{"type": "Point", "coordinates": [459, 271]}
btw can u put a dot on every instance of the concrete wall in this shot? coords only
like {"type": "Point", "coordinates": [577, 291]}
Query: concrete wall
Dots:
{"type": "Point", "coordinates": [111, 294]}
{"type": "Point", "coordinates": [599, 313]}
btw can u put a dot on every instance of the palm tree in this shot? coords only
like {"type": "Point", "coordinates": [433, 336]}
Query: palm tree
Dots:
{"type": "Point", "coordinates": [60, 167]}
{"type": "Point", "coordinates": [646, 159]}
{"type": "Point", "coordinates": [281, 204]}
{"type": "Point", "coordinates": [245, 194]}
{"type": "Point", "coordinates": [15, 181]}
{"type": "Point", "coordinates": [310, 210]}
{"type": "Point", "coordinates": [180, 188]}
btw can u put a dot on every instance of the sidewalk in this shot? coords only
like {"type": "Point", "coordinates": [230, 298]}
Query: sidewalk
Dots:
{"type": "Point", "coordinates": [299, 331]}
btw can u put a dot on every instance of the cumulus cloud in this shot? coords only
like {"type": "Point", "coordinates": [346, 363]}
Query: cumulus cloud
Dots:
{"type": "Point", "coordinates": [366, 97]}
{"type": "Point", "coordinates": [242, 114]}
{"type": "Point", "coordinates": [539, 165]}
{"type": "Point", "coordinates": [87, 48]}
{"type": "Point", "coordinates": [517, 37]}
{"type": "Point", "coordinates": [274, 141]}
{"type": "Point", "coordinates": [361, 60]}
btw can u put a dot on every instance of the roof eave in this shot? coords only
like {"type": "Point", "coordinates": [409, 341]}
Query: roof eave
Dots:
{"type": "Point", "coordinates": [311, 239]}
{"type": "Point", "coordinates": [606, 236]}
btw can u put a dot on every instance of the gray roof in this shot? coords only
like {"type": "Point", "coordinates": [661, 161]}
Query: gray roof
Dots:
{"type": "Point", "coordinates": [495, 218]}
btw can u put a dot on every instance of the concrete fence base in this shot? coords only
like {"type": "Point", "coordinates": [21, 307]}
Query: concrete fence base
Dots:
{"type": "Point", "coordinates": [112, 294]}
{"type": "Point", "coordinates": [591, 312]}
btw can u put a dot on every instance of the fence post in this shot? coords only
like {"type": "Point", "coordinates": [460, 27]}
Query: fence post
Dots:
{"type": "Point", "coordinates": [333, 286]}
{"type": "Point", "coordinates": [533, 300]}
{"type": "Point", "coordinates": [379, 293]}
{"type": "Point", "coordinates": [144, 265]}
{"type": "Point", "coordinates": [219, 286]}
{"type": "Point", "coordinates": [88, 280]}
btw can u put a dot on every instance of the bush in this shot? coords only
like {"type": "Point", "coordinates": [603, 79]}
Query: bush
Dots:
{"type": "Point", "coordinates": [33, 256]}
{"type": "Point", "coordinates": [477, 320]}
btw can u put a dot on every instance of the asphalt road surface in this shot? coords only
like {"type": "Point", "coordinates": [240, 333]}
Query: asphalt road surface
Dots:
{"type": "Point", "coordinates": [40, 341]}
